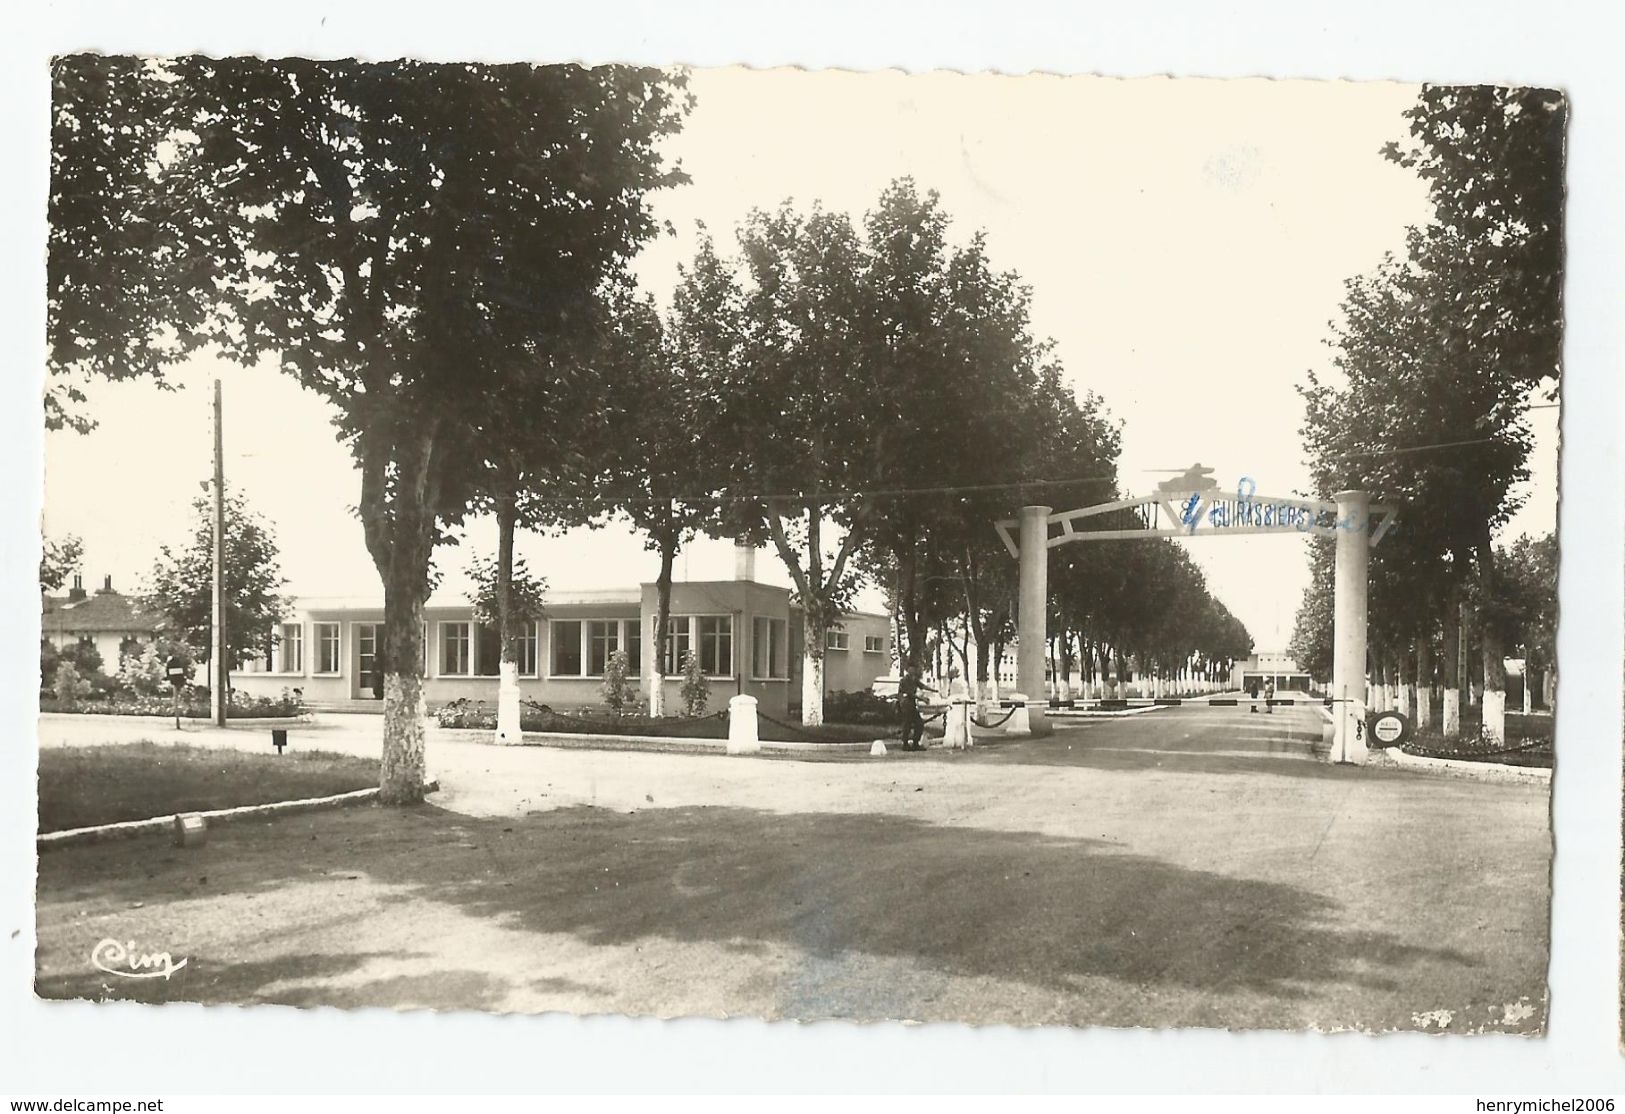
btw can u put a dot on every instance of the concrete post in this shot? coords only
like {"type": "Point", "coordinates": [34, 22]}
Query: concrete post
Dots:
{"type": "Point", "coordinates": [956, 721]}
{"type": "Point", "coordinates": [1031, 617]}
{"type": "Point", "coordinates": [1349, 627]}
{"type": "Point", "coordinates": [742, 737]}
{"type": "Point", "coordinates": [1020, 721]}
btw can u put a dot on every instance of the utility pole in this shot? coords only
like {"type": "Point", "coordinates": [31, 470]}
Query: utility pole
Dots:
{"type": "Point", "coordinates": [217, 622]}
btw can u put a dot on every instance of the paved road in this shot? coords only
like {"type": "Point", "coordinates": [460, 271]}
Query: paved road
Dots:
{"type": "Point", "coordinates": [1193, 866]}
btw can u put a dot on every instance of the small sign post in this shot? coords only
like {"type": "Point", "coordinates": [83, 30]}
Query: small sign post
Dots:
{"type": "Point", "coordinates": [176, 671]}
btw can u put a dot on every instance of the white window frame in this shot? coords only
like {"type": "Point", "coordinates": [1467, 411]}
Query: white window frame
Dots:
{"type": "Point", "coordinates": [468, 648]}
{"type": "Point", "coordinates": [879, 644]}
{"type": "Point", "coordinates": [769, 623]}
{"type": "Point", "coordinates": [282, 630]}
{"type": "Point", "coordinates": [625, 630]}
{"type": "Point", "coordinates": [733, 644]}
{"type": "Point", "coordinates": [837, 640]}
{"type": "Point", "coordinates": [318, 643]}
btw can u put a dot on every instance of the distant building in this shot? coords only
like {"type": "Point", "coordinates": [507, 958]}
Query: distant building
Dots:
{"type": "Point", "coordinates": [747, 636]}
{"type": "Point", "coordinates": [108, 620]}
{"type": "Point", "coordinates": [1251, 673]}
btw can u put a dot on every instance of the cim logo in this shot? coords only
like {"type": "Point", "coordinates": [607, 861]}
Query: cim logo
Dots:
{"type": "Point", "coordinates": [121, 959]}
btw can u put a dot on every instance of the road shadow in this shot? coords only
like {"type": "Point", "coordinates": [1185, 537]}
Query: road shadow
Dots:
{"type": "Point", "coordinates": [830, 889]}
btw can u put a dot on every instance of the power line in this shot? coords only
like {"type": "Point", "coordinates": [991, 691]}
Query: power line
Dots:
{"type": "Point", "coordinates": [957, 489]}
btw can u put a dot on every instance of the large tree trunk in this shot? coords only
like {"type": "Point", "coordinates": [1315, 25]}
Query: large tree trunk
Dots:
{"type": "Point", "coordinates": [400, 531]}
{"type": "Point", "coordinates": [508, 729]}
{"type": "Point", "coordinates": [1451, 668]}
{"type": "Point", "coordinates": [1494, 661]}
{"type": "Point", "coordinates": [656, 662]}
{"type": "Point", "coordinates": [1424, 684]}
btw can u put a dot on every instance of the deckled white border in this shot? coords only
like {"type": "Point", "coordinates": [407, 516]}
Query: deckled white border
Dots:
{"type": "Point", "coordinates": [57, 1049]}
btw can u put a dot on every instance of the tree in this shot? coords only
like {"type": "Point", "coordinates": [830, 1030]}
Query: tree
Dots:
{"type": "Point", "coordinates": [1492, 157]}
{"type": "Point", "coordinates": [619, 692]}
{"type": "Point", "coordinates": [182, 582]}
{"type": "Point", "coordinates": [774, 340]}
{"type": "Point", "coordinates": [696, 689]}
{"type": "Point", "coordinates": [652, 473]}
{"type": "Point", "coordinates": [1311, 645]}
{"type": "Point", "coordinates": [508, 597]}
{"type": "Point", "coordinates": [59, 559]}
{"type": "Point", "coordinates": [398, 235]}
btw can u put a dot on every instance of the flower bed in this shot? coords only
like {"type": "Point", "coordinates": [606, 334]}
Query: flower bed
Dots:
{"type": "Point", "coordinates": [288, 705]}
{"type": "Point", "coordinates": [1529, 741]}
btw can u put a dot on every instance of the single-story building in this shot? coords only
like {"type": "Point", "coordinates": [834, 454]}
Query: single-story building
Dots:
{"type": "Point", "coordinates": [1250, 673]}
{"type": "Point", "coordinates": [747, 636]}
{"type": "Point", "coordinates": [106, 619]}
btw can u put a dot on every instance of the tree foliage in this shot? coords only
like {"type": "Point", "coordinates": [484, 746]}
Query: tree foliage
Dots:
{"type": "Point", "coordinates": [59, 559]}
{"type": "Point", "coordinates": [405, 238]}
{"type": "Point", "coordinates": [182, 582]}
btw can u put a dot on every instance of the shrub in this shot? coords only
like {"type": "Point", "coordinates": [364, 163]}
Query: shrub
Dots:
{"type": "Point", "coordinates": [49, 659]}
{"type": "Point", "coordinates": [696, 690]}
{"type": "Point", "coordinates": [146, 673]}
{"type": "Point", "coordinates": [71, 688]}
{"type": "Point", "coordinates": [863, 707]}
{"type": "Point", "coordinates": [620, 695]}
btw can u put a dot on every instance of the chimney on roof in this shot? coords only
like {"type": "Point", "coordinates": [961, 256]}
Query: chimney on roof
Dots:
{"type": "Point", "coordinates": [77, 592]}
{"type": "Point", "coordinates": [107, 586]}
{"type": "Point", "coordinates": [744, 560]}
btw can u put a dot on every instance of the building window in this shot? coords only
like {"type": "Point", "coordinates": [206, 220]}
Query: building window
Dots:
{"type": "Point", "coordinates": [716, 644]}
{"type": "Point", "coordinates": [488, 651]}
{"type": "Point", "coordinates": [632, 643]}
{"type": "Point", "coordinates": [525, 650]}
{"type": "Point", "coordinates": [567, 648]}
{"type": "Point", "coordinates": [327, 647]}
{"type": "Point", "coordinates": [455, 657]}
{"type": "Point", "coordinates": [603, 639]}
{"type": "Point", "coordinates": [288, 649]}
{"type": "Point", "coordinates": [770, 659]}
{"type": "Point", "coordinates": [874, 644]}
{"type": "Point", "coordinates": [837, 640]}
{"type": "Point", "coordinates": [677, 644]}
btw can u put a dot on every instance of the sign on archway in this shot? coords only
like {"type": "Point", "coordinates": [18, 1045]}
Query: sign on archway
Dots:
{"type": "Point", "coordinates": [1192, 505]}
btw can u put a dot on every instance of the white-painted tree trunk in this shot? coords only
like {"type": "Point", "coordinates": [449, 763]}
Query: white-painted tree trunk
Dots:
{"type": "Point", "coordinates": [1452, 713]}
{"type": "Point", "coordinates": [812, 688]}
{"type": "Point", "coordinates": [508, 730]}
{"type": "Point", "coordinates": [404, 770]}
{"type": "Point", "coordinates": [1528, 698]}
{"type": "Point", "coordinates": [1407, 695]}
{"type": "Point", "coordinates": [657, 693]}
{"type": "Point", "coordinates": [1495, 715]}
{"type": "Point", "coordinates": [1424, 707]}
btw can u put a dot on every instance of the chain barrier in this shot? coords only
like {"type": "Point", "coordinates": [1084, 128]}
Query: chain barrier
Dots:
{"type": "Point", "coordinates": [1430, 752]}
{"type": "Point", "coordinates": [1000, 722]}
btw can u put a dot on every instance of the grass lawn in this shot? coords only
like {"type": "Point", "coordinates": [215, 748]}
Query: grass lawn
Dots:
{"type": "Point", "coordinates": [82, 786]}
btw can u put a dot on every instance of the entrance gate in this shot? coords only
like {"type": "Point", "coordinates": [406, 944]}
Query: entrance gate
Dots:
{"type": "Point", "coordinates": [1190, 506]}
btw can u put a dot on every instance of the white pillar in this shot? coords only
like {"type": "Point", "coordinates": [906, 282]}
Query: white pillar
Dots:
{"type": "Point", "coordinates": [956, 720]}
{"type": "Point", "coordinates": [742, 738]}
{"type": "Point", "coordinates": [1031, 617]}
{"type": "Point", "coordinates": [1349, 627]}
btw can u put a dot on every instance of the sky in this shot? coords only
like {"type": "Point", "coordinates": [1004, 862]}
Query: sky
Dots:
{"type": "Point", "coordinates": [1186, 242]}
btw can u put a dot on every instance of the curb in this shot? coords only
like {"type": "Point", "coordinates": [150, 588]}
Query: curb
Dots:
{"type": "Point", "coordinates": [1478, 771]}
{"type": "Point", "coordinates": [127, 829]}
{"type": "Point", "coordinates": [232, 723]}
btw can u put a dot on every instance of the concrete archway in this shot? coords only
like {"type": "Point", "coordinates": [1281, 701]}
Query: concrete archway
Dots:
{"type": "Point", "coordinates": [1184, 510]}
